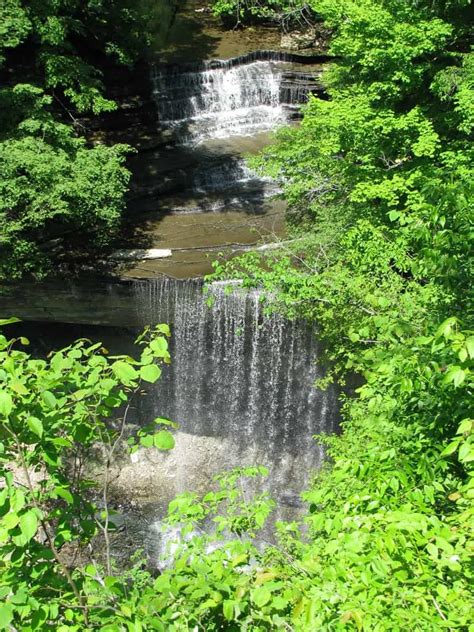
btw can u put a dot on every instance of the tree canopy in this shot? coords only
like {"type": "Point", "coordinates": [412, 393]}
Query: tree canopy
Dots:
{"type": "Point", "coordinates": [379, 182]}
{"type": "Point", "coordinates": [57, 192]}
{"type": "Point", "coordinates": [283, 12]}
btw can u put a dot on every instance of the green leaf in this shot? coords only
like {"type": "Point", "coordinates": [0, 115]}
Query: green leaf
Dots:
{"type": "Point", "coordinates": [9, 321]}
{"type": "Point", "coordinates": [451, 448]}
{"type": "Point", "coordinates": [164, 440]}
{"type": "Point", "coordinates": [61, 442]}
{"type": "Point", "coordinates": [65, 494]}
{"type": "Point", "coordinates": [19, 387]}
{"type": "Point", "coordinates": [470, 346]}
{"type": "Point", "coordinates": [150, 373]}
{"type": "Point", "coordinates": [261, 596]}
{"type": "Point", "coordinates": [228, 609]}
{"type": "Point", "coordinates": [159, 346]}
{"type": "Point", "coordinates": [124, 372]}
{"type": "Point", "coordinates": [466, 426]}
{"type": "Point", "coordinates": [6, 403]}
{"type": "Point", "coordinates": [279, 603]}
{"type": "Point", "coordinates": [147, 441]}
{"type": "Point", "coordinates": [432, 550]}
{"type": "Point", "coordinates": [35, 425]}
{"type": "Point", "coordinates": [165, 422]}
{"type": "Point", "coordinates": [80, 394]}
{"type": "Point", "coordinates": [6, 615]}
{"type": "Point", "coordinates": [49, 399]}
{"type": "Point", "coordinates": [10, 521]}
{"type": "Point", "coordinates": [446, 327]}
{"type": "Point", "coordinates": [459, 377]}
{"type": "Point", "coordinates": [28, 525]}
{"type": "Point", "coordinates": [456, 375]}
{"type": "Point", "coordinates": [18, 501]}
{"type": "Point", "coordinates": [264, 577]}
{"type": "Point", "coordinates": [466, 452]}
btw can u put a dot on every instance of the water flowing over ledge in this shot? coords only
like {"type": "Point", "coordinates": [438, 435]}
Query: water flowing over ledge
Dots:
{"type": "Point", "coordinates": [233, 97]}
{"type": "Point", "coordinates": [248, 58]}
{"type": "Point", "coordinates": [194, 193]}
{"type": "Point", "coordinates": [239, 376]}
{"type": "Point", "coordinates": [241, 388]}
{"type": "Point", "coordinates": [235, 370]}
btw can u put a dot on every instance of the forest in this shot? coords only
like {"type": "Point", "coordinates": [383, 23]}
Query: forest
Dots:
{"type": "Point", "coordinates": [378, 179]}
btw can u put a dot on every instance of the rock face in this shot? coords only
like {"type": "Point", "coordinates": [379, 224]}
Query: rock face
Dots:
{"type": "Point", "coordinates": [191, 123]}
{"type": "Point", "coordinates": [151, 476]}
{"type": "Point", "coordinates": [90, 302]}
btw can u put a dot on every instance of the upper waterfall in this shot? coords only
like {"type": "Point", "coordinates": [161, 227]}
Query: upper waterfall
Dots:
{"type": "Point", "coordinates": [235, 97]}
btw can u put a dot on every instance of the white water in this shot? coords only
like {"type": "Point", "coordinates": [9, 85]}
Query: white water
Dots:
{"type": "Point", "coordinates": [225, 99]}
{"type": "Point", "coordinates": [241, 384]}
{"type": "Point", "coordinates": [240, 379]}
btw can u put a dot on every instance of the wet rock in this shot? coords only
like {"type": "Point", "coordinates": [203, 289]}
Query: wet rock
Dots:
{"type": "Point", "coordinates": [141, 253]}
{"type": "Point", "coordinates": [314, 40]}
{"type": "Point", "coordinates": [298, 40]}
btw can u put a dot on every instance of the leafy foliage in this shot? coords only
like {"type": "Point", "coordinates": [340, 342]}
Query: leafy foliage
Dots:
{"type": "Point", "coordinates": [247, 11]}
{"type": "Point", "coordinates": [379, 184]}
{"type": "Point", "coordinates": [59, 194]}
{"type": "Point", "coordinates": [52, 412]}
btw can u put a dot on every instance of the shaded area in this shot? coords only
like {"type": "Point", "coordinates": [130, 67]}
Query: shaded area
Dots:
{"type": "Point", "coordinates": [209, 116]}
{"type": "Point", "coordinates": [86, 302]}
{"type": "Point", "coordinates": [196, 34]}
{"type": "Point", "coordinates": [240, 384]}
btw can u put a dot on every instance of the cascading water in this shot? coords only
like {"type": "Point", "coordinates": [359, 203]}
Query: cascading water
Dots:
{"type": "Point", "coordinates": [240, 386]}
{"type": "Point", "coordinates": [236, 97]}
{"type": "Point", "coordinates": [210, 114]}
{"type": "Point", "coordinates": [221, 102]}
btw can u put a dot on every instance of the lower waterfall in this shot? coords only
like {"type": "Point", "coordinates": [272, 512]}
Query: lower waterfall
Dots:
{"type": "Point", "coordinates": [241, 388]}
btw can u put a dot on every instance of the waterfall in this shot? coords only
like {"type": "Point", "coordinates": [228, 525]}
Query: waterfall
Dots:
{"type": "Point", "coordinates": [241, 388]}
{"type": "Point", "coordinates": [236, 97]}
{"type": "Point", "coordinates": [240, 385]}
{"type": "Point", "coordinates": [211, 114]}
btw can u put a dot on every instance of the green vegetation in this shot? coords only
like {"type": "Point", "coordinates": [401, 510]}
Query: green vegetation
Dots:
{"type": "Point", "coordinates": [248, 11]}
{"type": "Point", "coordinates": [379, 181]}
{"type": "Point", "coordinates": [57, 193]}
{"type": "Point", "coordinates": [52, 414]}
